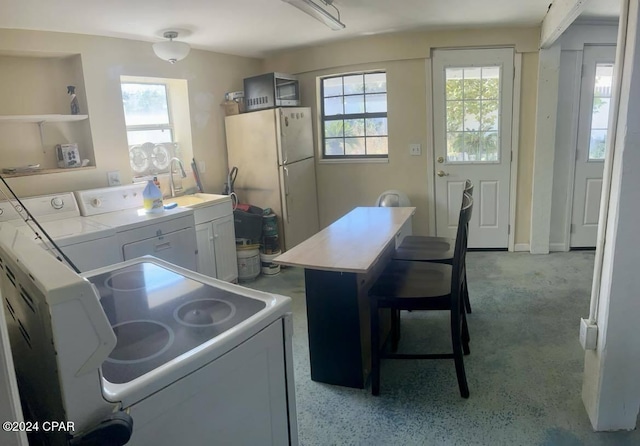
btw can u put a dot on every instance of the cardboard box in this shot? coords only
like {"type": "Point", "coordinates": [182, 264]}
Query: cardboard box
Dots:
{"type": "Point", "coordinates": [232, 108]}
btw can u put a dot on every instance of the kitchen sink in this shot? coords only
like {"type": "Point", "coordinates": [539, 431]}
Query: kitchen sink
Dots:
{"type": "Point", "coordinates": [196, 200]}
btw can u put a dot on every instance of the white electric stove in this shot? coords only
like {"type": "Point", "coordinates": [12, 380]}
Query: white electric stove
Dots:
{"type": "Point", "coordinates": [169, 235]}
{"type": "Point", "coordinates": [145, 352]}
{"type": "Point", "coordinates": [88, 243]}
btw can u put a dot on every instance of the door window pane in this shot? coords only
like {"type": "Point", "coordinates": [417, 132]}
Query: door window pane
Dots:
{"type": "Point", "coordinates": [600, 111]}
{"type": "Point", "coordinates": [472, 101]}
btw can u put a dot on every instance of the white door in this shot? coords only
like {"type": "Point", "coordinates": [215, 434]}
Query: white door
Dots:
{"type": "Point", "coordinates": [296, 135]}
{"type": "Point", "coordinates": [472, 116]}
{"type": "Point", "coordinates": [593, 121]}
{"type": "Point", "coordinates": [299, 219]}
{"type": "Point", "coordinates": [206, 254]}
{"type": "Point", "coordinates": [224, 237]}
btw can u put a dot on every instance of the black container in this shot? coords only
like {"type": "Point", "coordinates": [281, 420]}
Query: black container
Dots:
{"type": "Point", "coordinates": [248, 224]}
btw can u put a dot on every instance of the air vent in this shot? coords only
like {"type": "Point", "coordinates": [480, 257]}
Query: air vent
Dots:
{"type": "Point", "coordinates": [27, 299]}
{"type": "Point", "coordinates": [11, 277]}
{"type": "Point", "coordinates": [24, 333]}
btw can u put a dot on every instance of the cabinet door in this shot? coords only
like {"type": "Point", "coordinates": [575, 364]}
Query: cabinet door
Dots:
{"type": "Point", "coordinates": [206, 255]}
{"type": "Point", "coordinates": [224, 241]}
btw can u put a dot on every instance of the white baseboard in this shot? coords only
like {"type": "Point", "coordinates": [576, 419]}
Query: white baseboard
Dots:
{"type": "Point", "coordinates": [521, 247]}
{"type": "Point", "coordinates": [557, 247]}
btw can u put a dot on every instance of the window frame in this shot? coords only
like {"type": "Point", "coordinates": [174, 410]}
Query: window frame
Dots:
{"type": "Point", "coordinates": [349, 116]}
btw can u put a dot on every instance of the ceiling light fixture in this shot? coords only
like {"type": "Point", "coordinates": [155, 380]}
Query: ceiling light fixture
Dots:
{"type": "Point", "coordinates": [316, 11]}
{"type": "Point", "coordinates": [170, 50]}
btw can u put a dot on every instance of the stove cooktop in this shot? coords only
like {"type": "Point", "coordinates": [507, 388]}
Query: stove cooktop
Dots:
{"type": "Point", "coordinates": [158, 315]}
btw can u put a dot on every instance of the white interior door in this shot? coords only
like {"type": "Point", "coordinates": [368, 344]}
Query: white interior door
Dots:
{"type": "Point", "coordinates": [472, 115]}
{"type": "Point", "coordinates": [593, 122]}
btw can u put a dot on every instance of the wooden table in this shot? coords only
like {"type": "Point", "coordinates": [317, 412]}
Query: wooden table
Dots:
{"type": "Point", "coordinates": [341, 263]}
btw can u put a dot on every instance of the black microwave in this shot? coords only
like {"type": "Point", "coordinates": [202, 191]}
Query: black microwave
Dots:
{"type": "Point", "coordinates": [271, 90]}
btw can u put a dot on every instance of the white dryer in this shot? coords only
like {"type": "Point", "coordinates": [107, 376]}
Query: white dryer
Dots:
{"type": "Point", "coordinates": [169, 235]}
{"type": "Point", "coordinates": [88, 243]}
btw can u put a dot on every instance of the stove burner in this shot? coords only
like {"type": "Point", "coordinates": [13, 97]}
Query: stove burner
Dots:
{"type": "Point", "coordinates": [126, 281]}
{"type": "Point", "coordinates": [204, 312]}
{"type": "Point", "coordinates": [139, 341]}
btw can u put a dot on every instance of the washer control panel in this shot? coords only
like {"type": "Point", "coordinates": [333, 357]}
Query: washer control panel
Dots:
{"type": "Point", "coordinates": [110, 199]}
{"type": "Point", "coordinates": [44, 207]}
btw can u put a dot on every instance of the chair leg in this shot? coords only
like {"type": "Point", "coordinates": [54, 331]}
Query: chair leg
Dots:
{"type": "Point", "coordinates": [465, 293]}
{"type": "Point", "coordinates": [458, 357]}
{"type": "Point", "coordinates": [465, 334]}
{"type": "Point", "coordinates": [375, 348]}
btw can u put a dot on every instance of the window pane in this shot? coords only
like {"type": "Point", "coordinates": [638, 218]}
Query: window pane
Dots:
{"type": "Point", "coordinates": [354, 104]}
{"type": "Point", "coordinates": [333, 129]}
{"type": "Point", "coordinates": [145, 104]}
{"type": "Point", "coordinates": [472, 85]}
{"type": "Point", "coordinates": [376, 126]}
{"type": "Point", "coordinates": [354, 146]}
{"type": "Point", "coordinates": [471, 146]}
{"type": "Point", "coordinates": [604, 80]}
{"type": "Point", "coordinates": [332, 86]}
{"type": "Point", "coordinates": [378, 145]}
{"type": "Point", "coordinates": [375, 82]}
{"type": "Point", "coordinates": [455, 146]}
{"type": "Point", "coordinates": [455, 113]}
{"type": "Point", "coordinates": [376, 103]}
{"type": "Point", "coordinates": [454, 83]}
{"type": "Point", "coordinates": [489, 146]}
{"type": "Point", "coordinates": [334, 146]}
{"type": "Point", "coordinates": [597, 144]}
{"type": "Point", "coordinates": [472, 115]}
{"type": "Point", "coordinates": [489, 115]}
{"type": "Point", "coordinates": [333, 106]}
{"type": "Point", "coordinates": [490, 82]}
{"type": "Point", "coordinates": [600, 116]}
{"type": "Point", "coordinates": [154, 136]}
{"type": "Point", "coordinates": [354, 84]}
{"type": "Point", "coordinates": [354, 127]}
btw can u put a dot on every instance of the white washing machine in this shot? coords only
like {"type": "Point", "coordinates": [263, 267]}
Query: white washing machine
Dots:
{"type": "Point", "coordinates": [169, 235]}
{"type": "Point", "coordinates": [89, 244]}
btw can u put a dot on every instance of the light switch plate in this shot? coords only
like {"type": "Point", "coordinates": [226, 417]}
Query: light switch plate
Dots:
{"type": "Point", "coordinates": [415, 149]}
{"type": "Point", "coordinates": [114, 178]}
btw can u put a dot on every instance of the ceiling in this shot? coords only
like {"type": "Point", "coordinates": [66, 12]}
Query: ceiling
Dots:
{"type": "Point", "coordinates": [257, 27]}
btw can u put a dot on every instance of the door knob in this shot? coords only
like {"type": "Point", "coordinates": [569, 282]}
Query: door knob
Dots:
{"type": "Point", "coordinates": [441, 173]}
{"type": "Point", "coordinates": [441, 159]}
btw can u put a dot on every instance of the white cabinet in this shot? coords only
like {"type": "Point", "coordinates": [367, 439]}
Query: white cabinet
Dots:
{"type": "Point", "coordinates": [216, 240]}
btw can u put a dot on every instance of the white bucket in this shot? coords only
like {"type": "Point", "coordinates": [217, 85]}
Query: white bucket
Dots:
{"type": "Point", "coordinates": [248, 263]}
{"type": "Point", "coordinates": [268, 267]}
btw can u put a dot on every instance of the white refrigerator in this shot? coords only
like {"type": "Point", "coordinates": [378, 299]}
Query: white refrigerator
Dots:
{"type": "Point", "coordinates": [273, 151]}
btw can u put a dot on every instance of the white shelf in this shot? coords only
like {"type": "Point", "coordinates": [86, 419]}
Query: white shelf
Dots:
{"type": "Point", "coordinates": [41, 118]}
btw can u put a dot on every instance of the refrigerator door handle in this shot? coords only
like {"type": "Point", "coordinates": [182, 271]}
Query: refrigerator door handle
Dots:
{"type": "Point", "coordinates": [286, 193]}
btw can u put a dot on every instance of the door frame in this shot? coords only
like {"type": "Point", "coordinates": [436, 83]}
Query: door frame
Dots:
{"type": "Point", "coordinates": [515, 138]}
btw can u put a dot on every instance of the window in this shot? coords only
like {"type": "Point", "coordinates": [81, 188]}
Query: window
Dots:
{"type": "Point", "coordinates": [354, 116]}
{"type": "Point", "coordinates": [472, 99]}
{"type": "Point", "coordinates": [600, 112]}
{"type": "Point", "coordinates": [150, 105]}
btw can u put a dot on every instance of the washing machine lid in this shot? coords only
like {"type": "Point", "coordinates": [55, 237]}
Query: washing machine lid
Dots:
{"type": "Point", "coordinates": [69, 231]}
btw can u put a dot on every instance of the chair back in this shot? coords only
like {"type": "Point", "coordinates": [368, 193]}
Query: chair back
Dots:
{"type": "Point", "coordinates": [468, 188]}
{"type": "Point", "coordinates": [460, 252]}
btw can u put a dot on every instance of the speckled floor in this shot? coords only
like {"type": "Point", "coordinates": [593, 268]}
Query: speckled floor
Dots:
{"type": "Point", "coordinates": [524, 371]}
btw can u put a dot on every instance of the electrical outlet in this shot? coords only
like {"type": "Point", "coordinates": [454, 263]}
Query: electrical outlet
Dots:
{"type": "Point", "coordinates": [114, 178]}
{"type": "Point", "coordinates": [588, 334]}
{"type": "Point", "coordinates": [201, 167]}
{"type": "Point", "coordinates": [415, 149]}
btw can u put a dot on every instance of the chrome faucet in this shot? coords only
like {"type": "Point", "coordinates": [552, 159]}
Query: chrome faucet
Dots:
{"type": "Point", "coordinates": [172, 186]}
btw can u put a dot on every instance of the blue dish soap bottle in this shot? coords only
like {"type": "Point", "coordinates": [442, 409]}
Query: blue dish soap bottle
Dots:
{"type": "Point", "coordinates": [152, 198]}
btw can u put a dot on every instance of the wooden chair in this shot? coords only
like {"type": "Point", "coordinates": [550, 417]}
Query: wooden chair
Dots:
{"type": "Point", "coordinates": [407, 285]}
{"type": "Point", "coordinates": [433, 249]}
